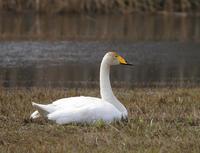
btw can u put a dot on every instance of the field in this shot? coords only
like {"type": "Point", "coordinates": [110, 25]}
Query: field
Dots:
{"type": "Point", "coordinates": [160, 120]}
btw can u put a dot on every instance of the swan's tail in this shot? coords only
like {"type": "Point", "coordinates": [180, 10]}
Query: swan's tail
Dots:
{"type": "Point", "coordinates": [35, 115]}
{"type": "Point", "coordinates": [40, 110]}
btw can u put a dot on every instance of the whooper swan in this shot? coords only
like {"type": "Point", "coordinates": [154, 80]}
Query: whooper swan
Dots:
{"type": "Point", "coordinates": [87, 109]}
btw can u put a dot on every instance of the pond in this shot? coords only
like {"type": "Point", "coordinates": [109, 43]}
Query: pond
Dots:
{"type": "Point", "coordinates": [66, 50]}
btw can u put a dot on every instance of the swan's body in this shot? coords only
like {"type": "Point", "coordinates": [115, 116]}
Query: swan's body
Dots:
{"type": "Point", "coordinates": [79, 110]}
{"type": "Point", "coordinates": [87, 109]}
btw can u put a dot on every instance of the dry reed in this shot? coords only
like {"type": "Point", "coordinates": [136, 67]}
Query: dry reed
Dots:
{"type": "Point", "coordinates": [99, 6]}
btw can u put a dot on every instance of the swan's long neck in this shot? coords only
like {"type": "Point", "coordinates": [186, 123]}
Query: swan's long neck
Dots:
{"type": "Point", "coordinates": [105, 87]}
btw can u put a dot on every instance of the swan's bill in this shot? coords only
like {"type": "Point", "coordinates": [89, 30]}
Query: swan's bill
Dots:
{"type": "Point", "coordinates": [128, 64]}
{"type": "Point", "coordinates": [122, 60]}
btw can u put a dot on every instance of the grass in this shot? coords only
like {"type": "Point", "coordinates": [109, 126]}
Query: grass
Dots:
{"type": "Point", "coordinates": [100, 6]}
{"type": "Point", "coordinates": [160, 120]}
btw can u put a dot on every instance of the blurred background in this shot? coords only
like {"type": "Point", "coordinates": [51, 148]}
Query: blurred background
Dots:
{"type": "Point", "coordinates": [60, 43]}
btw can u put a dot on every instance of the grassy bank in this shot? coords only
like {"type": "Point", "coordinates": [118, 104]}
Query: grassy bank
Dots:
{"type": "Point", "coordinates": [160, 120]}
{"type": "Point", "coordinates": [100, 6]}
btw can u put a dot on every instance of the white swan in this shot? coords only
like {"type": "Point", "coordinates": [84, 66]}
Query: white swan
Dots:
{"type": "Point", "coordinates": [87, 109]}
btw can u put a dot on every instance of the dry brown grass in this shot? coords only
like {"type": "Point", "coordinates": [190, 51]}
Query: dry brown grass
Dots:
{"type": "Point", "coordinates": [99, 6]}
{"type": "Point", "coordinates": [160, 120]}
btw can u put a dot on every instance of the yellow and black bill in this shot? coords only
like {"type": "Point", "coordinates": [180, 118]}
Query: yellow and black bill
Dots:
{"type": "Point", "coordinates": [123, 61]}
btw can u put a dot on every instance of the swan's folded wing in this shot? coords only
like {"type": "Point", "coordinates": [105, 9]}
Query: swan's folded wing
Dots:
{"type": "Point", "coordinates": [71, 103]}
{"type": "Point", "coordinates": [75, 102]}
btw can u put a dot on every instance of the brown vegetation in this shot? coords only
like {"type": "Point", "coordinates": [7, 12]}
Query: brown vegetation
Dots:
{"type": "Point", "coordinates": [160, 120]}
{"type": "Point", "coordinates": [100, 6]}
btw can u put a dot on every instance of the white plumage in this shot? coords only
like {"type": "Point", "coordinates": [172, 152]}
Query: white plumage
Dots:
{"type": "Point", "coordinates": [87, 109]}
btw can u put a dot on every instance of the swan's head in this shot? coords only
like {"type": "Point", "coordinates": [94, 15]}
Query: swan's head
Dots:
{"type": "Point", "coordinates": [113, 58]}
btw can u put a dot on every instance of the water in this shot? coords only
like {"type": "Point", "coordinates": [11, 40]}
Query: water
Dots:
{"type": "Point", "coordinates": [131, 28]}
{"type": "Point", "coordinates": [66, 51]}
